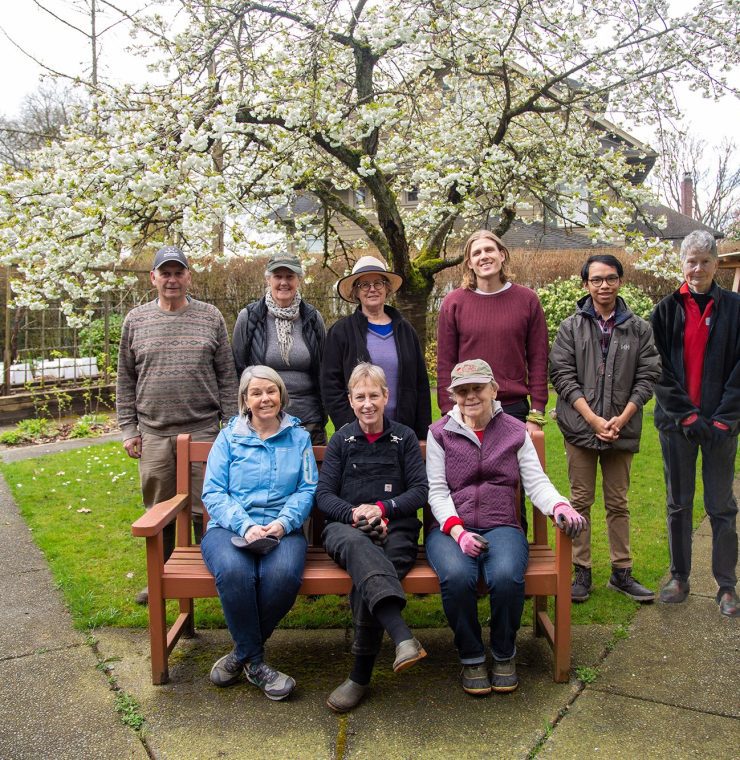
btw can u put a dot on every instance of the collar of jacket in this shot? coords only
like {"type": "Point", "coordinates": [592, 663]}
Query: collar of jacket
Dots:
{"type": "Point", "coordinates": [242, 431]}
{"type": "Point", "coordinates": [622, 312]}
{"type": "Point", "coordinates": [455, 422]}
{"type": "Point", "coordinates": [352, 430]}
{"type": "Point", "coordinates": [714, 291]}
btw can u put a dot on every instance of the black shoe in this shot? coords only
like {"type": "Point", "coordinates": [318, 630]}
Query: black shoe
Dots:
{"type": "Point", "coordinates": [674, 592]}
{"type": "Point", "coordinates": [621, 580]}
{"type": "Point", "coordinates": [581, 588]}
{"type": "Point", "coordinates": [729, 604]}
{"type": "Point", "coordinates": [346, 696]}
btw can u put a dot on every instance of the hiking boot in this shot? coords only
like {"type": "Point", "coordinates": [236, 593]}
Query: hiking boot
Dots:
{"type": "Point", "coordinates": [227, 671]}
{"type": "Point", "coordinates": [674, 592]}
{"type": "Point", "coordinates": [408, 653]}
{"type": "Point", "coordinates": [142, 597]}
{"type": "Point", "coordinates": [475, 679]}
{"type": "Point", "coordinates": [729, 604]}
{"type": "Point", "coordinates": [582, 587]}
{"type": "Point", "coordinates": [346, 696]}
{"type": "Point", "coordinates": [621, 580]}
{"type": "Point", "coordinates": [504, 675]}
{"type": "Point", "coordinates": [274, 684]}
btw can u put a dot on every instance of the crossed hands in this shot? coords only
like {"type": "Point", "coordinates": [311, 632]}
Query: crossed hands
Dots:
{"type": "Point", "coordinates": [606, 430]}
{"type": "Point", "coordinates": [368, 519]}
{"type": "Point", "coordinates": [274, 529]}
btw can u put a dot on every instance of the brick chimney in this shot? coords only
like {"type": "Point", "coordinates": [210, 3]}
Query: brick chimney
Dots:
{"type": "Point", "coordinates": [687, 195]}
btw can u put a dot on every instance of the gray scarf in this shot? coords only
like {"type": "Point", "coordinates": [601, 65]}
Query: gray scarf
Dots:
{"type": "Point", "coordinates": [284, 318]}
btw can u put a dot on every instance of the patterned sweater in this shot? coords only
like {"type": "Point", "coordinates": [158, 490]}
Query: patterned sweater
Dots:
{"type": "Point", "coordinates": [175, 370]}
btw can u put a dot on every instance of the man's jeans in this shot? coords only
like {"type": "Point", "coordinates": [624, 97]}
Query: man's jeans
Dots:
{"type": "Point", "coordinates": [376, 572]}
{"type": "Point", "coordinates": [503, 567]}
{"type": "Point", "coordinates": [718, 472]}
{"type": "Point", "coordinates": [256, 592]}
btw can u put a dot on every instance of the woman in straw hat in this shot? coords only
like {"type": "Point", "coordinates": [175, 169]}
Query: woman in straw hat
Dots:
{"type": "Point", "coordinates": [376, 333]}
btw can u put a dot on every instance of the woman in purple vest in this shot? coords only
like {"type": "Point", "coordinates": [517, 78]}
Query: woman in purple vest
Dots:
{"type": "Point", "coordinates": [476, 457]}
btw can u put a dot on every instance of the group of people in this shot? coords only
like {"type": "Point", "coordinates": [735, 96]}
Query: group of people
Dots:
{"type": "Point", "coordinates": [177, 373]}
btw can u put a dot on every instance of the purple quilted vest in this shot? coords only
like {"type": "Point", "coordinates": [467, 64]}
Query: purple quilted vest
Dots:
{"type": "Point", "coordinates": [483, 480]}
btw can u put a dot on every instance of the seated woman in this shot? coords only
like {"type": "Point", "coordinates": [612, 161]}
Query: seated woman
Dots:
{"type": "Point", "coordinates": [476, 457]}
{"type": "Point", "coordinates": [259, 485]}
{"type": "Point", "coordinates": [371, 485]}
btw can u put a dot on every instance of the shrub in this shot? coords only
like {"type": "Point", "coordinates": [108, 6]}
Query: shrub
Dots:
{"type": "Point", "coordinates": [28, 431]}
{"type": "Point", "coordinates": [87, 426]}
{"type": "Point", "coordinates": [559, 298]}
{"type": "Point", "coordinates": [92, 340]}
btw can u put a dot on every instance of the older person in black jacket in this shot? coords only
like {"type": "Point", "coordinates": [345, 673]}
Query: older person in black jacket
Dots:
{"type": "Point", "coordinates": [284, 332]}
{"type": "Point", "coordinates": [697, 332]}
{"type": "Point", "coordinates": [376, 333]}
{"type": "Point", "coordinates": [372, 483]}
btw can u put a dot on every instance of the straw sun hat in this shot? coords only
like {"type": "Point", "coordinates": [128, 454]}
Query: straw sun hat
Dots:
{"type": "Point", "coordinates": [366, 265]}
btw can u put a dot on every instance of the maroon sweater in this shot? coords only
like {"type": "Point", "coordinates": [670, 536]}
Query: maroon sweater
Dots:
{"type": "Point", "coordinates": [507, 329]}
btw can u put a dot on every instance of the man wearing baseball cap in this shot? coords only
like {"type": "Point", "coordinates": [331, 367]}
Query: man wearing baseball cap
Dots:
{"type": "Point", "coordinates": [175, 375]}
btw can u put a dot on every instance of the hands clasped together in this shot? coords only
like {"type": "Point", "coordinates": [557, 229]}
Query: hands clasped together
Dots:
{"type": "Point", "coordinates": [368, 518]}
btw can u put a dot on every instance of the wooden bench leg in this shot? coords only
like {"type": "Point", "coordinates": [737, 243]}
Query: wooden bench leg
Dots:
{"type": "Point", "coordinates": [561, 645]}
{"type": "Point", "coordinates": [157, 610]}
{"type": "Point", "coordinates": [539, 604]}
{"type": "Point", "coordinates": [187, 607]}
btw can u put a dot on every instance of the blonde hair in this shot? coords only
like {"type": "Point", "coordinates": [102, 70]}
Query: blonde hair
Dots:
{"type": "Point", "coordinates": [263, 373]}
{"type": "Point", "coordinates": [469, 278]}
{"type": "Point", "coordinates": [370, 372]}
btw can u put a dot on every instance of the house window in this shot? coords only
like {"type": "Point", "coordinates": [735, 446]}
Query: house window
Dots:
{"type": "Point", "coordinates": [412, 196]}
{"type": "Point", "coordinates": [361, 197]}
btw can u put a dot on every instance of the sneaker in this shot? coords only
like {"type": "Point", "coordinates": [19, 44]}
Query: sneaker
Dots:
{"type": "Point", "coordinates": [504, 676]}
{"type": "Point", "coordinates": [729, 604]}
{"type": "Point", "coordinates": [142, 597]}
{"type": "Point", "coordinates": [475, 679]}
{"type": "Point", "coordinates": [621, 580]}
{"type": "Point", "coordinates": [582, 587]}
{"type": "Point", "coordinates": [274, 684]}
{"type": "Point", "coordinates": [227, 671]}
{"type": "Point", "coordinates": [674, 592]}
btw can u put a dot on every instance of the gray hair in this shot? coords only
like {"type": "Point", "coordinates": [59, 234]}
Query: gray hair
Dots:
{"type": "Point", "coordinates": [699, 241]}
{"type": "Point", "coordinates": [263, 373]}
{"type": "Point", "coordinates": [370, 372]}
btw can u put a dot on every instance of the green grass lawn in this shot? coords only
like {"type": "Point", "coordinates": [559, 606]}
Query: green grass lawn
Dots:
{"type": "Point", "coordinates": [100, 566]}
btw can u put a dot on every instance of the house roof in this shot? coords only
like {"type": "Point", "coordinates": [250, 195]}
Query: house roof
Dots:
{"type": "Point", "coordinates": [677, 225]}
{"type": "Point", "coordinates": [537, 235]}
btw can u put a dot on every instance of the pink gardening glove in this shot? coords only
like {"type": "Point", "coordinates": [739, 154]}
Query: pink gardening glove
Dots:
{"type": "Point", "coordinates": [472, 544]}
{"type": "Point", "coordinates": [569, 520]}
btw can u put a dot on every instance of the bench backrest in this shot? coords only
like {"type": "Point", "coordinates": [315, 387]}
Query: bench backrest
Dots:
{"type": "Point", "coordinates": [193, 451]}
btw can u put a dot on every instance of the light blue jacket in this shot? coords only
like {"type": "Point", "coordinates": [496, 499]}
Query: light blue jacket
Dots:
{"type": "Point", "coordinates": [250, 481]}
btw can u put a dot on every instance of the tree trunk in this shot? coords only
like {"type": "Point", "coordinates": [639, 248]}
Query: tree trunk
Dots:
{"type": "Point", "coordinates": [412, 302]}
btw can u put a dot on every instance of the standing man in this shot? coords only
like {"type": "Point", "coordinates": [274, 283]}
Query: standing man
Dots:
{"type": "Point", "coordinates": [697, 331]}
{"type": "Point", "coordinates": [175, 375]}
{"type": "Point", "coordinates": [603, 365]}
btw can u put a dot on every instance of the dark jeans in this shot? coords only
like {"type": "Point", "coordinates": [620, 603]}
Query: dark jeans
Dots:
{"type": "Point", "coordinates": [718, 472]}
{"type": "Point", "coordinates": [317, 431]}
{"type": "Point", "coordinates": [255, 592]}
{"type": "Point", "coordinates": [376, 572]}
{"type": "Point", "coordinates": [503, 567]}
{"type": "Point", "coordinates": [520, 410]}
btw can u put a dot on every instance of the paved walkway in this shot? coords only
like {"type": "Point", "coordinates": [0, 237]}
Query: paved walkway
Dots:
{"type": "Point", "coordinates": [669, 690]}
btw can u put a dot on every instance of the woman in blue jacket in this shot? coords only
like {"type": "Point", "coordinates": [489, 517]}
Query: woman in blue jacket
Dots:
{"type": "Point", "coordinates": [259, 486]}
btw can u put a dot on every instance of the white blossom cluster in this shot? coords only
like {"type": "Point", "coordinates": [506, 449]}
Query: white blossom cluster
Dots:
{"type": "Point", "coordinates": [487, 110]}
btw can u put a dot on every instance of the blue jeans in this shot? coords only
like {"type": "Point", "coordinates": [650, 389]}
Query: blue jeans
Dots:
{"type": "Point", "coordinates": [255, 592]}
{"type": "Point", "coordinates": [503, 567]}
{"type": "Point", "coordinates": [718, 472]}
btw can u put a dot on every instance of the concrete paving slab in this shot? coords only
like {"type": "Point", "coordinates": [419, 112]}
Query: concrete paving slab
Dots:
{"type": "Point", "coordinates": [33, 615]}
{"type": "Point", "coordinates": [686, 655]}
{"type": "Point", "coordinates": [702, 581]}
{"type": "Point", "coordinates": [616, 727]}
{"type": "Point", "coordinates": [57, 705]}
{"type": "Point", "coordinates": [420, 712]}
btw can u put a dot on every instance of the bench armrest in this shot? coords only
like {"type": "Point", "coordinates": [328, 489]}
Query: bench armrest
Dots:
{"type": "Point", "coordinates": [154, 519]}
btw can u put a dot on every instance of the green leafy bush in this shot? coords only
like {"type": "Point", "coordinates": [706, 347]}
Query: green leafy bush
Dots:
{"type": "Point", "coordinates": [87, 426]}
{"type": "Point", "coordinates": [92, 340]}
{"type": "Point", "coordinates": [559, 298]}
{"type": "Point", "coordinates": [28, 431]}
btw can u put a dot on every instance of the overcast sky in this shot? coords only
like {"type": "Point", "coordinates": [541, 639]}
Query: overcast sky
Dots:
{"type": "Point", "coordinates": [67, 51]}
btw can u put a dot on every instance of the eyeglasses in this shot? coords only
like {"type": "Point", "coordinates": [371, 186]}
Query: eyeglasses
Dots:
{"type": "Point", "coordinates": [365, 285]}
{"type": "Point", "coordinates": [611, 279]}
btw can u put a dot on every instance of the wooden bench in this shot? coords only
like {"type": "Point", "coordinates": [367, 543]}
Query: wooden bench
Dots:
{"type": "Point", "coordinates": [184, 576]}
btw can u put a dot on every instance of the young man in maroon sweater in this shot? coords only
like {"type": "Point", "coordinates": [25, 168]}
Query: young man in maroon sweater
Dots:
{"type": "Point", "coordinates": [697, 331]}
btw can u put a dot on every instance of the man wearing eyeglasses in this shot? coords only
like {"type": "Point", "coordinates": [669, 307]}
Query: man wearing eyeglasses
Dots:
{"type": "Point", "coordinates": [603, 365]}
{"type": "Point", "coordinates": [697, 331]}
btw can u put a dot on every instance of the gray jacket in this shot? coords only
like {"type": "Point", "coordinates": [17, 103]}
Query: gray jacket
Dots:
{"type": "Point", "coordinates": [629, 373]}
